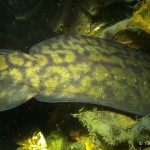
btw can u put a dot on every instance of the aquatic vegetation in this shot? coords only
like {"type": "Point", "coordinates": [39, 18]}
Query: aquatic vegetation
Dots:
{"type": "Point", "coordinates": [37, 141]}
{"type": "Point", "coordinates": [33, 142]}
{"type": "Point", "coordinates": [56, 141]}
{"type": "Point", "coordinates": [115, 128]}
{"type": "Point", "coordinates": [141, 17]}
{"type": "Point", "coordinates": [107, 130]}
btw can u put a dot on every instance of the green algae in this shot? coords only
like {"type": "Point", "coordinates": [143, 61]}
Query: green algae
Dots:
{"type": "Point", "coordinates": [115, 128]}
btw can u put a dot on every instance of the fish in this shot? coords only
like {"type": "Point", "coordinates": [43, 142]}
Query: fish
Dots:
{"type": "Point", "coordinates": [77, 68]}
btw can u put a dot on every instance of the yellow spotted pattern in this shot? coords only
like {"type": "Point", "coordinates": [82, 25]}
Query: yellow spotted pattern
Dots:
{"type": "Point", "coordinates": [77, 69]}
{"type": "Point", "coordinates": [16, 73]}
{"type": "Point", "coordinates": [15, 60]}
{"type": "Point", "coordinates": [44, 60]}
{"type": "Point", "coordinates": [3, 64]}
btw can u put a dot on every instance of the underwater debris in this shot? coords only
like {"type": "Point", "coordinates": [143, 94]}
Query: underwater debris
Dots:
{"type": "Point", "coordinates": [115, 128]}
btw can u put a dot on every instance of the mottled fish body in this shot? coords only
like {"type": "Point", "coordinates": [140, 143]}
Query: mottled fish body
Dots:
{"type": "Point", "coordinates": [77, 69]}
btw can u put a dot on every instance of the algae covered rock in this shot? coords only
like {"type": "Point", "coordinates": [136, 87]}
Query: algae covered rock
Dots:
{"type": "Point", "coordinates": [141, 17]}
{"type": "Point", "coordinates": [134, 30]}
{"type": "Point", "coordinates": [115, 128]}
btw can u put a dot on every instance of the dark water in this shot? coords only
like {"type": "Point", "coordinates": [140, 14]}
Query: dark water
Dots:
{"type": "Point", "coordinates": [22, 24]}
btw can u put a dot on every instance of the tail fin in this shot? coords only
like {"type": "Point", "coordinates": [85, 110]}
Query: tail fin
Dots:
{"type": "Point", "coordinates": [15, 88]}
